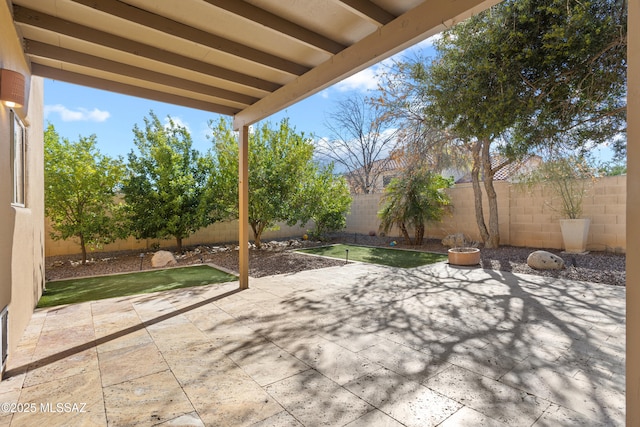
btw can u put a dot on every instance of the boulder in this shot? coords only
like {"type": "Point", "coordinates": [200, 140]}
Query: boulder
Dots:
{"type": "Point", "coordinates": [456, 240]}
{"type": "Point", "coordinates": [162, 259]}
{"type": "Point", "coordinates": [295, 243]}
{"type": "Point", "coordinates": [543, 260]}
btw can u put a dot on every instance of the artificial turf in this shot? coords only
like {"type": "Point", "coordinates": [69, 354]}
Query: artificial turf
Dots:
{"type": "Point", "coordinates": [72, 291]}
{"type": "Point", "coordinates": [376, 255]}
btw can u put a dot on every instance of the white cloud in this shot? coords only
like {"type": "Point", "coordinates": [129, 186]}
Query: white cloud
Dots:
{"type": "Point", "coordinates": [363, 81]}
{"type": "Point", "coordinates": [178, 122]}
{"type": "Point", "coordinates": [368, 78]}
{"type": "Point", "coordinates": [78, 115]}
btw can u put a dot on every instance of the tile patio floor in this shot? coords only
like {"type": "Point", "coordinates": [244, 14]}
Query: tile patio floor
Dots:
{"type": "Point", "coordinates": [349, 346]}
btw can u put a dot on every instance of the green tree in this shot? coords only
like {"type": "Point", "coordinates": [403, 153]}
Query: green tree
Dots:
{"type": "Point", "coordinates": [166, 188]}
{"type": "Point", "coordinates": [411, 200]}
{"type": "Point", "coordinates": [612, 168]}
{"type": "Point", "coordinates": [80, 191]}
{"type": "Point", "coordinates": [573, 73]}
{"type": "Point", "coordinates": [522, 75]}
{"type": "Point", "coordinates": [325, 199]}
{"type": "Point", "coordinates": [281, 173]}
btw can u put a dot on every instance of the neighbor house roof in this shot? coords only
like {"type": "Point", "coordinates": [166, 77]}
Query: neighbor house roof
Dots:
{"type": "Point", "coordinates": [509, 171]}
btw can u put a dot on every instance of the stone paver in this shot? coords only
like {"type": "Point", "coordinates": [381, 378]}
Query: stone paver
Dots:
{"type": "Point", "coordinates": [356, 345]}
{"type": "Point", "coordinates": [146, 400]}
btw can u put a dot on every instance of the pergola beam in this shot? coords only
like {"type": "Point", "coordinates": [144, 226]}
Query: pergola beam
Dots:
{"type": "Point", "coordinates": [278, 24]}
{"type": "Point", "coordinates": [185, 32]}
{"type": "Point", "coordinates": [44, 50]}
{"type": "Point", "coordinates": [425, 20]}
{"type": "Point", "coordinates": [127, 89]}
{"type": "Point", "coordinates": [369, 10]}
{"type": "Point", "coordinates": [26, 16]}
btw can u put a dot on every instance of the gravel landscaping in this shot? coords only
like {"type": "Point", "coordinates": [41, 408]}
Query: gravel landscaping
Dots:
{"type": "Point", "coordinates": [279, 258]}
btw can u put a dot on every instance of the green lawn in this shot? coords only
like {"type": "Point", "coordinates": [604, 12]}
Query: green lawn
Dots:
{"type": "Point", "coordinates": [94, 288]}
{"type": "Point", "coordinates": [384, 256]}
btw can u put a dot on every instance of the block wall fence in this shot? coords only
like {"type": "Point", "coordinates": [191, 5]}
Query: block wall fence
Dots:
{"type": "Point", "coordinates": [526, 218]}
{"type": "Point", "coordinates": [221, 232]}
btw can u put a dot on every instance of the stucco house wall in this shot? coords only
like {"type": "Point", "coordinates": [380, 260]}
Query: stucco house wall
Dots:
{"type": "Point", "coordinates": [21, 227]}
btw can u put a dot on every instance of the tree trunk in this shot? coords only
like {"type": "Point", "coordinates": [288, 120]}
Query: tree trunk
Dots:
{"type": "Point", "coordinates": [179, 244]}
{"type": "Point", "coordinates": [494, 230]}
{"type": "Point", "coordinates": [405, 233]}
{"type": "Point", "coordinates": [258, 228]}
{"type": "Point", "coordinates": [419, 234]}
{"type": "Point", "coordinates": [477, 191]}
{"type": "Point", "coordinates": [83, 247]}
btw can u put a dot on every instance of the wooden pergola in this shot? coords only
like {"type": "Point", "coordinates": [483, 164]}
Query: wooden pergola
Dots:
{"type": "Point", "coordinates": [246, 59]}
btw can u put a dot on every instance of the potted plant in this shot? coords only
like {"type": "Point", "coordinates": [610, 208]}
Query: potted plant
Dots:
{"type": "Point", "coordinates": [462, 250]}
{"type": "Point", "coordinates": [568, 179]}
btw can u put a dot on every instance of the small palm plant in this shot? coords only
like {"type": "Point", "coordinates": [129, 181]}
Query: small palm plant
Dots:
{"type": "Point", "coordinates": [411, 200]}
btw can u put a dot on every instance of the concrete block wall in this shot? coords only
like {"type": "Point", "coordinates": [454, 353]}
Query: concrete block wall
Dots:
{"type": "Point", "coordinates": [462, 218]}
{"type": "Point", "coordinates": [363, 216]}
{"type": "Point", "coordinates": [534, 220]}
{"type": "Point", "coordinates": [221, 232]}
{"type": "Point", "coordinates": [526, 218]}
{"type": "Point", "coordinates": [534, 217]}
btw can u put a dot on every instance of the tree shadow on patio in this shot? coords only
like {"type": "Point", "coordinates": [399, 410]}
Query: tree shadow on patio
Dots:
{"type": "Point", "coordinates": [514, 348]}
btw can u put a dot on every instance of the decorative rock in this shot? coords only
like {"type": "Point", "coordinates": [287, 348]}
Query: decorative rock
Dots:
{"type": "Point", "coordinates": [455, 240]}
{"type": "Point", "coordinates": [295, 243]}
{"type": "Point", "coordinates": [162, 259]}
{"type": "Point", "coordinates": [543, 260]}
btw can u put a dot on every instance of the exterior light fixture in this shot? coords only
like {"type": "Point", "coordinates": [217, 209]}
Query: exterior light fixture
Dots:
{"type": "Point", "coordinates": [11, 88]}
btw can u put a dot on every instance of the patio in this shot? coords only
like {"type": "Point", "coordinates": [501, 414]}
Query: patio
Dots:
{"type": "Point", "coordinates": [356, 345]}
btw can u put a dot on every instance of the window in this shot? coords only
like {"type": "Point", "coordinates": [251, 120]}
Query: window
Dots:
{"type": "Point", "coordinates": [18, 159]}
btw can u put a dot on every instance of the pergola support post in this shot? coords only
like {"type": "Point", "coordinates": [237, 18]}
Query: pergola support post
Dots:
{"type": "Point", "coordinates": [633, 211]}
{"type": "Point", "coordinates": [243, 206]}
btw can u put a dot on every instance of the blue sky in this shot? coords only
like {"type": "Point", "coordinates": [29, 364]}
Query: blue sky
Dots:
{"type": "Point", "coordinates": [76, 110]}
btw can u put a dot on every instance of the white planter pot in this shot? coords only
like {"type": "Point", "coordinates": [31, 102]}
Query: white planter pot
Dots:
{"type": "Point", "coordinates": [574, 234]}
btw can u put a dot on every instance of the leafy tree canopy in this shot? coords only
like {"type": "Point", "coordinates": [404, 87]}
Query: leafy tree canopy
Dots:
{"type": "Point", "coordinates": [522, 75]}
{"type": "Point", "coordinates": [80, 189]}
{"type": "Point", "coordinates": [325, 199]}
{"type": "Point", "coordinates": [284, 183]}
{"type": "Point", "coordinates": [546, 72]}
{"type": "Point", "coordinates": [165, 190]}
